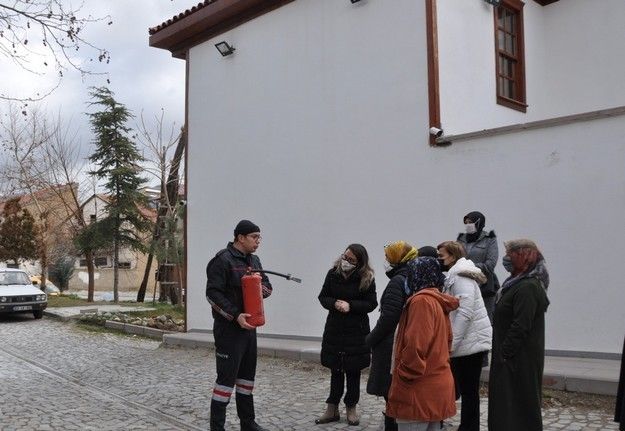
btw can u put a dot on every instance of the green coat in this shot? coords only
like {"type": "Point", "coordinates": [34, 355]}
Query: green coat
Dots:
{"type": "Point", "coordinates": [516, 373]}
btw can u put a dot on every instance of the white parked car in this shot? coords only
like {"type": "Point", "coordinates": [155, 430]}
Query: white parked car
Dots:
{"type": "Point", "coordinates": [18, 295]}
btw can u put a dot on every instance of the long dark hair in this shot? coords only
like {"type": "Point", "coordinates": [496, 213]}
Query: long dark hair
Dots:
{"type": "Point", "coordinates": [363, 269]}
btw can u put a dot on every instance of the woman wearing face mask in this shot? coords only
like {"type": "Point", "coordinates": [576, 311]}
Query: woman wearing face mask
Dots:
{"type": "Point", "coordinates": [482, 250]}
{"type": "Point", "coordinates": [515, 384]}
{"type": "Point", "coordinates": [348, 294]}
{"type": "Point", "coordinates": [472, 332]}
{"type": "Point", "coordinates": [380, 340]}
{"type": "Point", "coordinates": [422, 389]}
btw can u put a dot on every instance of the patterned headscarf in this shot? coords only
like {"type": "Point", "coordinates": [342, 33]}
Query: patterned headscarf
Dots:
{"type": "Point", "coordinates": [424, 272]}
{"type": "Point", "coordinates": [532, 261]}
{"type": "Point", "coordinates": [399, 252]}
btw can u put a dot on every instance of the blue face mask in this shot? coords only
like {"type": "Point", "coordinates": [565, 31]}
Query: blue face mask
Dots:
{"type": "Point", "coordinates": [507, 264]}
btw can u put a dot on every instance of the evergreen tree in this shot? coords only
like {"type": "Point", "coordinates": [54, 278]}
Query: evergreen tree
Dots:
{"type": "Point", "coordinates": [116, 158]}
{"type": "Point", "coordinates": [18, 233]}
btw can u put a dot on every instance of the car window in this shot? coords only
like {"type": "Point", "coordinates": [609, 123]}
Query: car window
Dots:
{"type": "Point", "coordinates": [7, 278]}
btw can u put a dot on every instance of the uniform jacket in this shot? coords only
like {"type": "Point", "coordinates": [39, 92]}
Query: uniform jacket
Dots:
{"type": "Point", "coordinates": [484, 254]}
{"type": "Point", "coordinates": [343, 344]}
{"type": "Point", "coordinates": [422, 388]}
{"type": "Point", "coordinates": [470, 324]}
{"type": "Point", "coordinates": [223, 282]}
{"type": "Point", "coordinates": [380, 340]}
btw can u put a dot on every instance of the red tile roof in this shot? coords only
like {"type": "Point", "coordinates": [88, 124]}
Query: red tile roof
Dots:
{"type": "Point", "coordinates": [206, 20]}
{"type": "Point", "coordinates": [179, 16]}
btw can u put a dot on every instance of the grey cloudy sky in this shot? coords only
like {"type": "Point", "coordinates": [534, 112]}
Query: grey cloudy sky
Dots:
{"type": "Point", "coordinates": [145, 79]}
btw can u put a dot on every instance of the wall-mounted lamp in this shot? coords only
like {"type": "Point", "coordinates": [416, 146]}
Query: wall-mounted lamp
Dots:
{"type": "Point", "coordinates": [493, 2]}
{"type": "Point", "coordinates": [224, 48]}
{"type": "Point", "coordinates": [436, 132]}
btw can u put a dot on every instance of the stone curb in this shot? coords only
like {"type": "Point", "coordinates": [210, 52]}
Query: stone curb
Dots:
{"type": "Point", "coordinates": [128, 328]}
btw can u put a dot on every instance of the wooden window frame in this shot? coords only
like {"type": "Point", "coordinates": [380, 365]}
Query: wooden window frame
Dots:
{"type": "Point", "coordinates": [520, 102]}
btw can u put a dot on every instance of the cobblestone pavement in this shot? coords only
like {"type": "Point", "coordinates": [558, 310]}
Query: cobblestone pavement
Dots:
{"type": "Point", "coordinates": [54, 376]}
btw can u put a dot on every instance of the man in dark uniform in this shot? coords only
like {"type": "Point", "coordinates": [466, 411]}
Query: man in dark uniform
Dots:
{"type": "Point", "coordinates": [235, 339]}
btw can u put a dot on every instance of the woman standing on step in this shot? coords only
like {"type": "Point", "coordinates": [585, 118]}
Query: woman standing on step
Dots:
{"type": "Point", "coordinates": [348, 294]}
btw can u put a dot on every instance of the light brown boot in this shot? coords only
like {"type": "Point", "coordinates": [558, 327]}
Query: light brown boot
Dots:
{"type": "Point", "coordinates": [331, 415]}
{"type": "Point", "coordinates": [352, 416]}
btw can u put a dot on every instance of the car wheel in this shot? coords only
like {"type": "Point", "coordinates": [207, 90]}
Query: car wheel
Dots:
{"type": "Point", "coordinates": [38, 314]}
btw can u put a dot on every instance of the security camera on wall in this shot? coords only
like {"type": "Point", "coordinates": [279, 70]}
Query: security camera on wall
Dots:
{"type": "Point", "coordinates": [436, 132]}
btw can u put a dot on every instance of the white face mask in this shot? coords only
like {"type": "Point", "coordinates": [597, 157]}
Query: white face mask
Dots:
{"type": "Point", "coordinates": [470, 228]}
{"type": "Point", "coordinates": [388, 266]}
{"type": "Point", "coordinates": [346, 266]}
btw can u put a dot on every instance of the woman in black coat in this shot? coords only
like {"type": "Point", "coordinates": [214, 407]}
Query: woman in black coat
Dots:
{"type": "Point", "coordinates": [516, 372]}
{"type": "Point", "coordinates": [381, 338]}
{"type": "Point", "coordinates": [348, 294]}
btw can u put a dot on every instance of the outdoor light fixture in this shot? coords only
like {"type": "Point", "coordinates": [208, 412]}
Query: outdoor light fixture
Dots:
{"type": "Point", "coordinates": [493, 2]}
{"type": "Point", "coordinates": [224, 49]}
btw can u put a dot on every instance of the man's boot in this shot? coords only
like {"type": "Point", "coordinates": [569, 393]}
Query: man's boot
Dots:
{"type": "Point", "coordinates": [218, 415]}
{"type": "Point", "coordinates": [252, 426]}
{"type": "Point", "coordinates": [389, 423]}
{"type": "Point", "coordinates": [331, 414]}
{"type": "Point", "coordinates": [352, 416]}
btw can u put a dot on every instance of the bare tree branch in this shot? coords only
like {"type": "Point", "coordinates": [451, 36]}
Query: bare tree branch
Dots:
{"type": "Point", "coordinates": [39, 34]}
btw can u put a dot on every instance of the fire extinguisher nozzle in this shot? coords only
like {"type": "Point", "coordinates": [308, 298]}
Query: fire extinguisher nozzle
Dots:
{"type": "Point", "coordinates": [295, 279]}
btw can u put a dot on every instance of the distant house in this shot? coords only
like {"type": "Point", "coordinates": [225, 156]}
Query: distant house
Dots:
{"type": "Point", "coordinates": [334, 121]}
{"type": "Point", "coordinates": [52, 205]}
{"type": "Point", "coordinates": [131, 263]}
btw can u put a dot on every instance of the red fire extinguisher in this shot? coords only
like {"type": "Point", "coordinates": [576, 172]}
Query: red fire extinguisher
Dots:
{"type": "Point", "coordinates": [253, 294]}
{"type": "Point", "coordinates": [253, 298]}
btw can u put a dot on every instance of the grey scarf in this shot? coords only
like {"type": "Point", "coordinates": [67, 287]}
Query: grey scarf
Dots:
{"type": "Point", "coordinates": [539, 272]}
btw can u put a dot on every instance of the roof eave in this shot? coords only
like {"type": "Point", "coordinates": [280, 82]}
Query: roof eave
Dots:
{"type": "Point", "coordinates": [209, 21]}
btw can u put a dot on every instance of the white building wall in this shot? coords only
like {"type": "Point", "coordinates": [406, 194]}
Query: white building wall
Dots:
{"type": "Point", "coordinates": [315, 130]}
{"type": "Point", "coordinates": [306, 130]}
{"type": "Point", "coordinates": [572, 62]}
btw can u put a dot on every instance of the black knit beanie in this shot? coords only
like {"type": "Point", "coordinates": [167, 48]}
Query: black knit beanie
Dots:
{"type": "Point", "coordinates": [245, 227]}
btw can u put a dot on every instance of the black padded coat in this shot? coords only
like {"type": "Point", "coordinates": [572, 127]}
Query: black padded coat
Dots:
{"type": "Point", "coordinates": [381, 338]}
{"type": "Point", "coordinates": [343, 346]}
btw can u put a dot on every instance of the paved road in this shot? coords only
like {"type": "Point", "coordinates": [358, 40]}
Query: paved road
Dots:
{"type": "Point", "coordinates": [54, 376]}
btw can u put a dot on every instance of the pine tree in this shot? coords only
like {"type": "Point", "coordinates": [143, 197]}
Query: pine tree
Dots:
{"type": "Point", "coordinates": [116, 158]}
{"type": "Point", "coordinates": [18, 233]}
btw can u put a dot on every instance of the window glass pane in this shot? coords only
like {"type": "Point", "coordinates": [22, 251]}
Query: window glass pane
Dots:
{"type": "Point", "coordinates": [509, 68]}
{"type": "Point", "coordinates": [500, 39]}
{"type": "Point", "coordinates": [100, 261]}
{"type": "Point", "coordinates": [510, 93]}
{"type": "Point", "coordinates": [510, 22]}
{"type": "Point", "coordinates": [508, 43]}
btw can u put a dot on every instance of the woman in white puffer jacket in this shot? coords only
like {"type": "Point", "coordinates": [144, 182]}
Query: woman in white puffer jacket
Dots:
{"type": "Point", "coordinates": [472, 331]}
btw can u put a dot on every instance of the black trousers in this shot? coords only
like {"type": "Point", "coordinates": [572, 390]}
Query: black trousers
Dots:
{"type": "Point", "coordinates": [337, 386]}
{"type": "Point", "coordinates": [235, 355]}
{"type": "Point", "coordinates": [466, 371]}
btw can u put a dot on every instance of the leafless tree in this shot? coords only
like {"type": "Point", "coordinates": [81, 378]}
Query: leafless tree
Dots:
{"type": "Point", "coordinates": [38, 35]}
{"type": "Point", "coordinates": [42, 160]}
{"type": "Point", "coordinates": [165, 237]}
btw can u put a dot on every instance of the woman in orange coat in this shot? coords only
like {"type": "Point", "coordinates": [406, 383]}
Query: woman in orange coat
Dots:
{"type": "Point", "coordinates": [422, 389]}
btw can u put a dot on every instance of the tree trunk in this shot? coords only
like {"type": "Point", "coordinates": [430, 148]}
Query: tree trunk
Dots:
{"type": "Point", "coordinates": [90, 274]}
{"type": "Point", "coordinates": [146, 273]}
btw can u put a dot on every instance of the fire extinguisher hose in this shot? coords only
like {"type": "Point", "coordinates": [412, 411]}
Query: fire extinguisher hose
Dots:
{"type": "Point", "coordinates": [287, 276]}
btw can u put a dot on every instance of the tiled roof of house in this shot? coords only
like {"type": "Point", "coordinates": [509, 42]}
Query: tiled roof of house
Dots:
{"type": "Point", "coordinates": [206, 20]}
{"type": "Point", "coordinates": [179, 16]}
